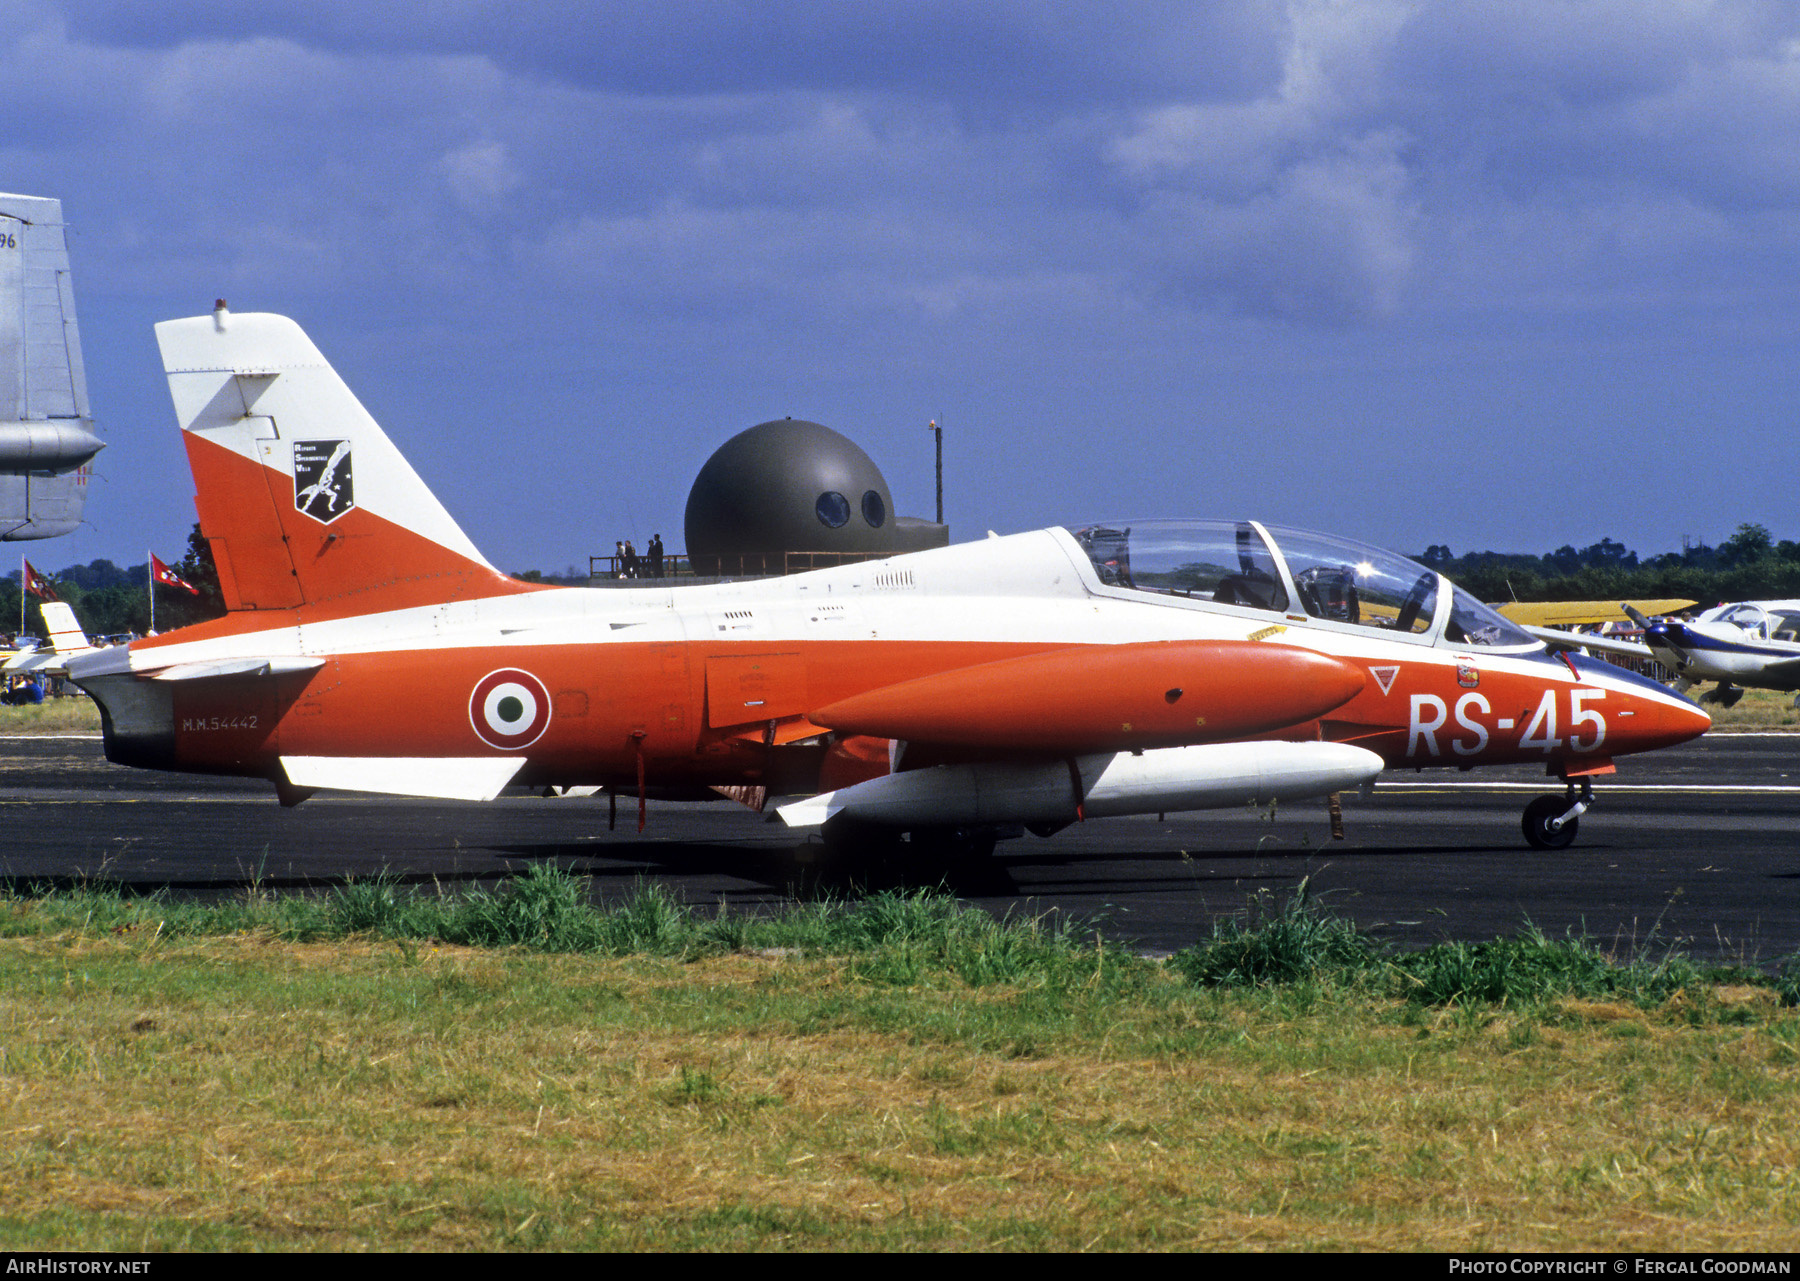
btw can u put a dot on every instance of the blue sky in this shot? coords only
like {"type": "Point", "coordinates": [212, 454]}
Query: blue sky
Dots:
{"type": "Point", "coordinates": [1493, 275]}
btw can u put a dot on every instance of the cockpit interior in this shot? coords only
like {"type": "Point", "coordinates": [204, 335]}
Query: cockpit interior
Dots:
{"type": "Point", "coordinates": [1296, 573]}
{"type": "Point", "coordinates": [1774, 623]}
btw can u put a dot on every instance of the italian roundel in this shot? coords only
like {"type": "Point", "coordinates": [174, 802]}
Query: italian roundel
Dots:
{"type": "Point", "coordinates": [509, 709]}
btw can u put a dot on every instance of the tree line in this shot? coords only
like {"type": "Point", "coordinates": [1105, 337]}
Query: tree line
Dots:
{"type": "Point", "coordinates": [1750, 565]}
{"type": "Point", "coordinates": [109, 600]}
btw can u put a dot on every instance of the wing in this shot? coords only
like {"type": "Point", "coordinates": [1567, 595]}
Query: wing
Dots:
{"type": "Point", "coordinates": [1596, 644]}
{"type": "Point", "coordinates": [1583, 613]}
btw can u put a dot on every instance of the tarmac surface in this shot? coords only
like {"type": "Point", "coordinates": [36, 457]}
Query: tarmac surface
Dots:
{"type": "Point", "coordinates": [1696, 846]}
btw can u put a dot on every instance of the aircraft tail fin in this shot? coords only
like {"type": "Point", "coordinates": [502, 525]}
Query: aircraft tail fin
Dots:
{"type": "Point", "coordinates": [46, 430]}
{"type": "Point", "coordinates": [66, 636]}
{"type": "Point", "coordinates": [301, 495]}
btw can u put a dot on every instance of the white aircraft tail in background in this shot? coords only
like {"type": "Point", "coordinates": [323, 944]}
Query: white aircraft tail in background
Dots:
{"type": "Point", "coordinates": [67, 641]}
{"type": "Point", "coordinates": [47, 438]}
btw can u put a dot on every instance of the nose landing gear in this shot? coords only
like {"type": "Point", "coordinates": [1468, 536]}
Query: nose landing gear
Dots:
{"type": "Point", "coordinates": [1550, 821]}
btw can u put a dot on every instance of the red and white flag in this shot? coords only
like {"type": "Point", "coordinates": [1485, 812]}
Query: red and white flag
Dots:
{"type": "Point", "coordinates": [168, 577]}
{"type": "Point", "coordinates": [37, 584]}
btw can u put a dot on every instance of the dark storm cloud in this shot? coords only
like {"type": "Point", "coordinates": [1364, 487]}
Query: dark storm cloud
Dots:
{"type": "Point", "coordinates": [1281, 218]}
{"type": "Point", "coordinates": [975, 50]}
{"type": "Point", "coordinates": [1307, 160]}
{"type": "Point", "coordinates": [1406, 144]}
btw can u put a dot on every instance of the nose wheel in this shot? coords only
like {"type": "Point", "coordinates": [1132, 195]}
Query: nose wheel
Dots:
{"type": "Point", "coordinates": [1550, 821]}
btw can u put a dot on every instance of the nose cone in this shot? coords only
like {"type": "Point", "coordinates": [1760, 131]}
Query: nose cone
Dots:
{"type": "Point", "coordinates": [1680, 723]}
{"type": "Point", "coordinates": [1674, 643]}
{"type": "Point", "coordinates": [1641, 714]}
{"type": "Point", "coordinates": [1662, 719]}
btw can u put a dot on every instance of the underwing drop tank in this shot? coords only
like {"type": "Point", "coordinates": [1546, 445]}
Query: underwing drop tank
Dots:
{"type": "Point", "coordinates": [1210, 776]}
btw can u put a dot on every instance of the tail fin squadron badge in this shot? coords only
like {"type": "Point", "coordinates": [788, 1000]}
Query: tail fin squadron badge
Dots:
{"type": "Point", "coordinates": [322, 480]}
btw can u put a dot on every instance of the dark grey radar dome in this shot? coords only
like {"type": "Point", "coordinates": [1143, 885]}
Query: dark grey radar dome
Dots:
{"type": "Point", "coordinates": [792, 486]}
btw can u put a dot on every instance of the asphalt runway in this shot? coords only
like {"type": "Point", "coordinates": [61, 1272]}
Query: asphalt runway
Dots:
{"type": "Point", "coordinates": [1697, 846]}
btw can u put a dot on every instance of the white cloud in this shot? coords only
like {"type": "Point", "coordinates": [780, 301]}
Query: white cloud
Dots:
{"type": "Point", "coordinates": [1313, 164]}
{"type": "Point", "coordinates": [1412, 140]}
{"type": "Point", "coordinates": [480, 174]}
{"type": "Point", "coordinates": [1329, 239]}
{"type": "Point", "coordinates": [1294, 204]}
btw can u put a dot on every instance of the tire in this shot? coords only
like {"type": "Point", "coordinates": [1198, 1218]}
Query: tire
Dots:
{"type": "Point", "coordinates": [1536, 824]}
{"type": "Point", "coordinates": [847, 858]}
{"type": "Point", "coordinates": [948, 847]}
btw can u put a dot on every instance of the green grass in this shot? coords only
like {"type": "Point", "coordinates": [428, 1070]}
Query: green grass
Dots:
{"type": "Point", "coordinates": [897, 938]}
{"type": "Point", "coordinates": [904, 939]}
{"type": "Point", "coordinates": [1758, 709]}
{"type": "Point", "coordinates": [1279, 943]}
{"type": "Point", "coordinates": [389, 1068]}
{"type": "Point", "coordinates": [1295, 941]}
{"type": "Point", "coordinates": [77, 714]}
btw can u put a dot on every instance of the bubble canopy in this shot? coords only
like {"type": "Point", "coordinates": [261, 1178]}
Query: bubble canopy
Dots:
{"type": "Point", "coordinates": [1294, 572]}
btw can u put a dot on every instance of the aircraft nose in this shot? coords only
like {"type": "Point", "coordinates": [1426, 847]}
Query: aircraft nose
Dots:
{"type": "Point", "coordinates": [1664, 722]}
{"type": "Point", "coordinates": [1642, 715]}
{"type": "Point", "coordinates": [1686, 722]}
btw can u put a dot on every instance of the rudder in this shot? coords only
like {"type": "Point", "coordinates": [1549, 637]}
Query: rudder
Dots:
{"type": "Point", "coordinates": [301, 495]}
{"type": "Point", "coordinates": [66, 636]}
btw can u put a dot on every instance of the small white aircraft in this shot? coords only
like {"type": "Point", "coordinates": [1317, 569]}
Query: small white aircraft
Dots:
{"type": "Point", "coordinates": [1752, 644]}
{"type": "Point", "coordinates": [1748, 644]}
{"type": "Point", "coordinates": [67, 641]}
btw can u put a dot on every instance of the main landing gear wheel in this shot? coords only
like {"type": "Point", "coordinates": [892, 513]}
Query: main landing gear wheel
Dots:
{"type": "Point", "coordinates": [847, 857]}
{"type": "Point", "coordinates": [1542, 831]}
{"type": "Point", "coordinates": [1723, 696]}
{"type": "Point", "coordinates": [946, 847]}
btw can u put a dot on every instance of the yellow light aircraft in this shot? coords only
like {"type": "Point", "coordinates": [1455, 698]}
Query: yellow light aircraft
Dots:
{"type": "Point", "coordinates": [1584, 613]}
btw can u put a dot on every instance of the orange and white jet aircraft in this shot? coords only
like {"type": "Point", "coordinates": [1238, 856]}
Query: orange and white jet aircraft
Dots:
{"type": "Point", "coordinates": [952, 694]}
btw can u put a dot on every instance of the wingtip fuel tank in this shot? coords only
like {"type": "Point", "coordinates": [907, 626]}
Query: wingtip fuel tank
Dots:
{"type": "Point", "coordinates": [1107, 698]}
